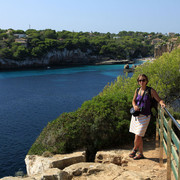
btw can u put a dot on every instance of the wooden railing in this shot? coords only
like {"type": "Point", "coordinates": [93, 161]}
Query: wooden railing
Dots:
{"type": "Point", "coordinates": [167, 139]}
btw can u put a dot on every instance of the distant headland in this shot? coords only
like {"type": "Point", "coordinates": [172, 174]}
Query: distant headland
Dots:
{"type": "Point", "coordinates": [45, 48]}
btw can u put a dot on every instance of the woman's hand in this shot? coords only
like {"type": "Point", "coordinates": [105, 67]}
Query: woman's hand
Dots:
{"type": "Point", "coordinates": [136, 108]}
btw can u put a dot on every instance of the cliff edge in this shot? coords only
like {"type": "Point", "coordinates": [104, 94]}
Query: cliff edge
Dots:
{"type": "Point", "coordinates": [108, 165]}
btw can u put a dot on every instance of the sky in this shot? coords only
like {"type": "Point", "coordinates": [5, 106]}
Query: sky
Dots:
{"type": "Point", "coordinates": [159, 16]}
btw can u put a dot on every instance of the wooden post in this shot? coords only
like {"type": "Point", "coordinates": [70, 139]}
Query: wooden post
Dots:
{"type": "Point", "coordinates": [179, 165]}
{"type": "Point", "coordinates": [157, 132]}
{"type": "Point", "coordinates": [169, 128]}
{"type": "Point", "coordinates": [161, 138]}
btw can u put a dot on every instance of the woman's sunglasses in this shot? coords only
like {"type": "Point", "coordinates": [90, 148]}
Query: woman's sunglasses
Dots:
{"type": "Point", "coordinates": [143, 80]}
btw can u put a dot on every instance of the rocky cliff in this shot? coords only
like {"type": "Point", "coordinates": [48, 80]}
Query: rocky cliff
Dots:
{"type": "Point", "coordinates": [55, 57]}
{"type": "Point", "coordinates": [168, 47]}
{"type": "Point", "coordinates": [60, 58]}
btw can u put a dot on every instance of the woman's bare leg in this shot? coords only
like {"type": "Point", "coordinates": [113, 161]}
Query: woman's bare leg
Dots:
{"type": "Point", "coordinates": [141, 145]}
{"type": "Point", "coordinates": [138, 142]}
{"type": "Point", "coordinates": [138, 145]}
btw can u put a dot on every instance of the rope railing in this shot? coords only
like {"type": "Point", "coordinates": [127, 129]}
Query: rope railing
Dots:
{"type": "Point", "coordinates": [167, 139]}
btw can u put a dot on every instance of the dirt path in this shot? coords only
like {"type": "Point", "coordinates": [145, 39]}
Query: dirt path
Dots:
{"type": "Point", "coordinates": [143, 169]}
{"type": "Point", "coordinates": [151, 162]}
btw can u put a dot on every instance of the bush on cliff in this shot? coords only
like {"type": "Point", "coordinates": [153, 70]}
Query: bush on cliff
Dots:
{"type": "Point", "coordinates": [104, 121]}
{"type": "Point", "coordinates": [99, 123]}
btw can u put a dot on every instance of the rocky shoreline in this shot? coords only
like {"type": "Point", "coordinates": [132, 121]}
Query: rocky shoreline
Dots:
{"type": "Point", "coordinates": [111, 61]}
{"type": "Point", "coordinates": [28, 66]}
{"type": "Point", "coordinates": [23, 66]}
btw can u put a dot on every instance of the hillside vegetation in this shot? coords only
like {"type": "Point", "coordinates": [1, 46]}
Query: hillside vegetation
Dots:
{"type": "Point", "coordinates": [103, 122]}
{"type": "Point", "coordinates": [35, 44]}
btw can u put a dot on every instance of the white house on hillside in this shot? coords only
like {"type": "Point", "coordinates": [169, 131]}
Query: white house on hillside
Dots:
{"type": "Point", "coordinates": [20, 35]}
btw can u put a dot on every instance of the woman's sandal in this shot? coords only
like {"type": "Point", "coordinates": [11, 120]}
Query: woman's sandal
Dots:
{"type": "Point", "coordinates": [133, 154]}
{"type": "Point", "coordinates": [139, 156]}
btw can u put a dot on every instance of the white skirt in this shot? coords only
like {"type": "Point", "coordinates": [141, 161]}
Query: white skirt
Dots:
{"type": "Point", "coordinates": [139, 124]}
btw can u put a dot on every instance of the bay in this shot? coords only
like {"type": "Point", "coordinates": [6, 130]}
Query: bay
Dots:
{"type": "Point", "coordinates": [30, 99]}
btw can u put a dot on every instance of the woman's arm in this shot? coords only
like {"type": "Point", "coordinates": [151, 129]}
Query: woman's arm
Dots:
{"type": "Point", "coordinates": [155, 95]}
{"type": "Point", "coordinates": [136, 108]}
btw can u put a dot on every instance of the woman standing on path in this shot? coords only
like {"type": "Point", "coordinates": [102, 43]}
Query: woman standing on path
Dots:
{"type": "Point", "coordinates": [140, 123]}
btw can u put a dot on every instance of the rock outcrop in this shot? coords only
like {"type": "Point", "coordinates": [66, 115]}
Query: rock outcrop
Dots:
{"type": "Point", "coordinates": [108, 165]}
{"type": "Point", "coordinates": [94, 171]}
{"type": "Point", "coordinates": [50, 174]}
{"type": "Point", "coordinates": [39, 164]}
{"type": "Point", "coordinates": [160, 49]}
{"type": "Point", "coordinates": [118, 157]}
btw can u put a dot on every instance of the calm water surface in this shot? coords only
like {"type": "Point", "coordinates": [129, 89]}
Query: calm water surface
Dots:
{"type": "Point", "coordinates": [31, 99]}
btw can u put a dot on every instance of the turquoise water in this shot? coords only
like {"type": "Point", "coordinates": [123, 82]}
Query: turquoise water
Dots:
{"type": "Point", "coordinates": [109, 70]}
{"type": "Point", "coordinates": [30, 99]}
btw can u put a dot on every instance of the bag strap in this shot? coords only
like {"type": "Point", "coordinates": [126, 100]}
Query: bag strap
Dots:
{"type": "Point", "coordinates": [149, 91]}
{"type": "Point", "coordinates": [137, 92]}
